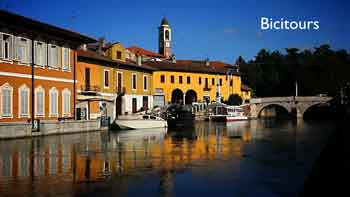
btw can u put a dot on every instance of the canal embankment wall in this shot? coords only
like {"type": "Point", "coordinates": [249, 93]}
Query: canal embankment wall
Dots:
{"type": "Point", "coordinates": [23, 129]}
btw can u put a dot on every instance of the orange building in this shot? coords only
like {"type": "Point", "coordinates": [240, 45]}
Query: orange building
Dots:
{"type": "Point", "coordinates": [37, 69]}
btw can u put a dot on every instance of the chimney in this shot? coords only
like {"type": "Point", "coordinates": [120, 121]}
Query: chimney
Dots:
{"type": "Point", "coordinates": [139, 60]}
{"type": "Point", "coordinates": [207, 63]}
{"type": "Point", "coordinates": [173, 59]}
{"type": "Point", "coordinates": [101, 45]}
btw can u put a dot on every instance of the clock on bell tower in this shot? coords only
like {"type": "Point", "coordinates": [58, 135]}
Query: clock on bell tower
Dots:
{"type": "Point", "coordinates": [165, 38]}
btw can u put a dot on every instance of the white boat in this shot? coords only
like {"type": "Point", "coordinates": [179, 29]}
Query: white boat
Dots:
{"type": "Point", "coordinates": [235, 113]}
{"type": "Point", "coordinates": [141, 122]}
{"type": "Point", "coordinates": [217, 112]}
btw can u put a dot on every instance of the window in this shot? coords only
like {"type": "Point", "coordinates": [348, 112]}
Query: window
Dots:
{"type": "Point", "coordinates": [66, 59]}
{"type": "Point", "coordinates": [188, 79]}
{"type": "Point", "coordinates": [212, 81]}
{"type": "Point", "coordinates": [134, 81]}
{"type": "Point", "coordinates": [200, 80]}
{"type": "Point", "coordinates": [40, 101]}
{"type": "Point", "coordinates": [145, 82]}
{"type": "Point", "coordinates": [119, 55]}
{"type": "Point", "coordinates": [6, 46]}
{"type": "Point", "coordinates": [40, 53]}
{"type": "Point", "coordinates": [220, 82]}
{"type": "Point", "coordinates": [53, 102]}
{"type": "Point", "coordinates": [172, 79]}
{"type": "Point", "coordinates": [106, 78]}
{"type": "Point", "coordinates": [66, 102]}
{"type": "Point", "coordinates": [119, 81]}
{"type": "Point", "coordinates": [231, 82]}
{"type": "Point", "coordinates": [162, 79]}
{"type": "Point", "coordinates": [23, 50]}
{"type": "Point", "coordinates": [180, 79]}
{"type": "Point", "coordinates": [6, 98]}
{"type": "Point", "coordinates": [23, 101]}
{"type": "Point", "coordinates": [54, 54]}
{"type": "Point", "coordinates": [167, 36]}
{"type": "Point", "coordinates": [206, 83]}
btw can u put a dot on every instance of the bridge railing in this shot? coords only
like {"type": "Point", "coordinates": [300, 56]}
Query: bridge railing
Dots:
{"type": "Point", "coordinates": [290, 99]}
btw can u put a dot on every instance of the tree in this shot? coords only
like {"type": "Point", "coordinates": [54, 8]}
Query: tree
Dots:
{"type": "Point", "coordinates": [317, 70]}
{"type": "Point", "coordinates": [234, 99]}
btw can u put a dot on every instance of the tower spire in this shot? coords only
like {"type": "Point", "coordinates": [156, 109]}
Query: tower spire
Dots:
{"type": "Point", "coordinates": [165, 39]}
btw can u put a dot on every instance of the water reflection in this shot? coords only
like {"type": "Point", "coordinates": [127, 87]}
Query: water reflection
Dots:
{"type": "Point", "coordinates": [237, 156]}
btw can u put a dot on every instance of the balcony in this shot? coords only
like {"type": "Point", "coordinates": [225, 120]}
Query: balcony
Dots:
{"type": "Point", "coordinates": [89, 89]}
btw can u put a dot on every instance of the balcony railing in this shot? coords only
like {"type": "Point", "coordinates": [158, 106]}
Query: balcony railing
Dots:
{"type": "Point", "coordinates": [206, 88]}
{"type": "Point", "coordinates": [90, 88]}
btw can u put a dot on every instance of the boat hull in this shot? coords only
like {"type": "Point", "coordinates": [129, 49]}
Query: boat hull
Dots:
{"type": "Point", "coordinates": [236, 118]}
{"type": "Point", "coordinates": [141, 124]}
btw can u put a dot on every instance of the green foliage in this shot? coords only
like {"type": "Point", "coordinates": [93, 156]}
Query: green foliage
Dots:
{"type": "Point", "coordinates": [317, 71]}
{"type": "Point", "coordinates": [234, 99]}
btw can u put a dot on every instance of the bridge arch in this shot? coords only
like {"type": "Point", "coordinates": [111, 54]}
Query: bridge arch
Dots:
{"type": "Point", "coordinates": [281, 108]}
{"type": "Point", "coordinates": [318, 109]}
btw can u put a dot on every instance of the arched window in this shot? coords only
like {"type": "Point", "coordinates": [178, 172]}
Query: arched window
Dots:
{"type": "Point", "coordinates": [167, 35]}
{"type": "Point", "coordinates": [23, 101]}
{"type": "Point", "coordinates": [53, 102]}
{"type": "Point", "coordinates": [6, 100]}
{"type": "Point", "coordinates": [39, 101]}
{"type": "Point", "coordinates": [66, 94]}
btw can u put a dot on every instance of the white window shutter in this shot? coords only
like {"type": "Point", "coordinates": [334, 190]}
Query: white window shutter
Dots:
{"type": "Point", "coordinates": [59, 57]}
{"type": "Point", "coordinates": [49, 62]}
{"type": "Point", "coordinates": [29, 51]}
{"type": "Point", "coordinates": [11, 48]}
{"type": "Point", "coordinates": [44, 55]}
{"type": "Point", "coordinates": [16, 42]}
{"type": "Point", "coordinates": [35, 52]}
{"type": "Point", "coordinates": [1, 47]}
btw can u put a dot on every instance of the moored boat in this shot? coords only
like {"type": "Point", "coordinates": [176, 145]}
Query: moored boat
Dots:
{"type": "Point", "coordinates": [141, 122]}
{"type": "Point", "coordinates": [235, 113]}
{"type": "Point", "coordinates": [217, 112]}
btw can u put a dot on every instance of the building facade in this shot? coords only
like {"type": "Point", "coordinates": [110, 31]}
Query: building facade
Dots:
{"type": "Point", "coordinates": [37, 69]}
{"type": "Point", "coordinates": [111, 86]}
{"type": "Point", "coordinates": [186, 82]}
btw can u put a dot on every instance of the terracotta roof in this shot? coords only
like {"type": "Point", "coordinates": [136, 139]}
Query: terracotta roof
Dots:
{"type": "Point", "coordinates": [96, 56]}
{"type": "Point", "coordinates": [212, 63]}
{"type": "Point", "coordinates": [190, 66]}
{"type": "Point", "coordinates": [141, 51]}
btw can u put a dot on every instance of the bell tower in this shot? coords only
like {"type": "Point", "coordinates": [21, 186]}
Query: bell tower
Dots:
{"type": "Point", "coordinates": [165, 38]}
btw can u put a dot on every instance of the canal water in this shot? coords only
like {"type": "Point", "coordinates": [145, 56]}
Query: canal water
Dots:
{"type": "Point", "coordinates": [248, 158]}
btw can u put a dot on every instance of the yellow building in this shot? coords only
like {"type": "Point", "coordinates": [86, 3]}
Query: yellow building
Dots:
{"type": "Point", "coordinates": [186, 81]}
{"type": "Point", "coordinates": [133, 81]}
{"type": "Point", "coordinates": [109, 85]}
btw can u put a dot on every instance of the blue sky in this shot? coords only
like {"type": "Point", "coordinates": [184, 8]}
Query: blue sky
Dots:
{"type": "Point", "coordinates": [219, 30]}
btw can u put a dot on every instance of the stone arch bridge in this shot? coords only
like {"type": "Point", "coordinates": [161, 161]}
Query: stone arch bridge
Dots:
{"type": "Point", "coordinates": [298, 104]}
